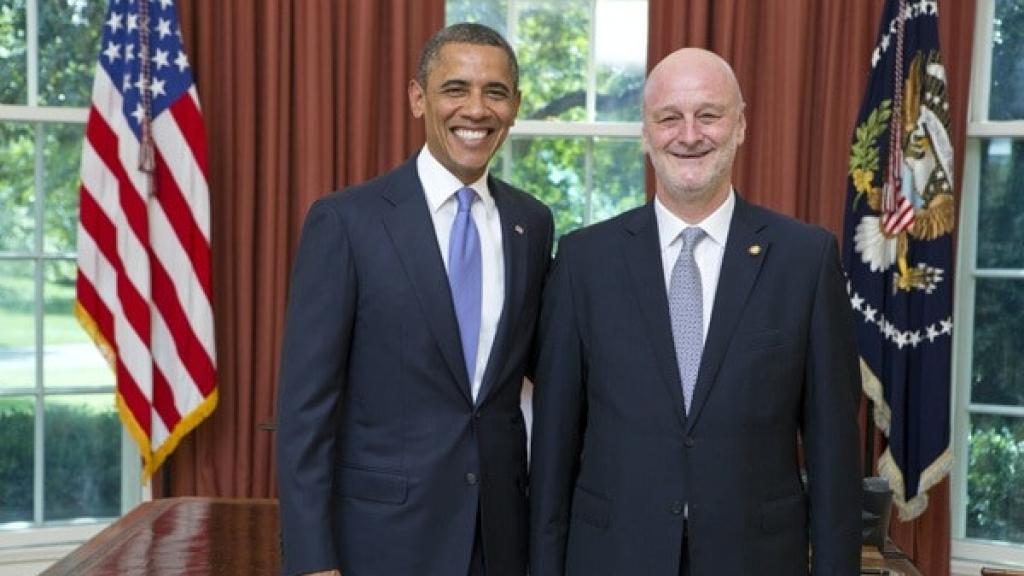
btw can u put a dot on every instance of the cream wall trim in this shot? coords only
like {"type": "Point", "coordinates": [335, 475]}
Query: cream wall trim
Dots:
{"type": "Point", "coordinates": [33, 550]}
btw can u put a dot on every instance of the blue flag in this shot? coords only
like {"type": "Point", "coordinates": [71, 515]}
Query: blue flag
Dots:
{"type": "Point", "coordinates": [898, 250]}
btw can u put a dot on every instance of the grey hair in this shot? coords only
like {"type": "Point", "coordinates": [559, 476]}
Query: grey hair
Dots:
{"type": "Point", "coordinates": [465, 33]}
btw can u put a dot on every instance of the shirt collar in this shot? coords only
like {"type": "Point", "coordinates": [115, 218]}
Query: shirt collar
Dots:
{"type": "Point", "coordinates": [440, 185]}
{"type": "Point", "coordinates": [716, 225]}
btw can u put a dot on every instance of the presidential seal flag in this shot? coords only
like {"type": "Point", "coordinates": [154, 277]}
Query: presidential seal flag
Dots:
{"type": "Point", "coordinates": [898, 250]}
{"type": "Point", "coordinates": [143, 291]}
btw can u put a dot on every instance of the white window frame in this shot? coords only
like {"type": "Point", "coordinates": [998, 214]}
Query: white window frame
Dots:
{"type": "Point", "coordinates": [42, 540]}
{"type": "Point", "coordinates": [588, 129]}
{"type": "Point", "coordinates": [968, 554]}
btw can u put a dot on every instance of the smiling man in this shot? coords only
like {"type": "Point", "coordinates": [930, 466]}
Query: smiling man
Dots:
{"type": "Point", "coordinates": [686, 349]}
{"type": "Point", "coordinates": [413, 301]}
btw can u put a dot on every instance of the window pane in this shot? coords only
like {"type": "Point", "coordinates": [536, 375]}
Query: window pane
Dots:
{"type": "Point", "coordinates": [13, 60]}
{"type": "Point", "coordinates": [16, 448]}
{"type": "Point", "coordinates": [62, 156]}
{"type": "Point", "coordinates": [17, 186]}
{"type": "Point", "coordinates": [621, 58]}
{"type": "Point", "coordinates": [618, 177]}
{"type": "Point", "coordinates": [18, 337]}
{"type": "Point", "coordinates": [995, 479]}
{"type": "Point", "coordinates": [998, 365]}
{"type": "Point", "coordinates": [553, 46]}
{"type": "Point", "coordinates": [1005, 102]}
{"type": "Point", "coordinates": [71, 358]}
{"type": "Point", "coordinates": [82, 467]}
{"type": "Point", "coordinates": [69, 43]}
{"type": "Point", "coordinates": [1001, 204]}
{"type": "Point", "coordinates": [493, 13]}
{"type": "Point", "coordinates": [552, 169]}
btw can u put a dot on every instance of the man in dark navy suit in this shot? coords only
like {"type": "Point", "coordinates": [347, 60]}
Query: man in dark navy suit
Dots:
{"type": "Point", "coordinates": [687, 348]}
{"type": "Point", "coordinates": [414, 297]}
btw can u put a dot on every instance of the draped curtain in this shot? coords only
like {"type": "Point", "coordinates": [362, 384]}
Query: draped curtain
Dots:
{"type": "Point", "coordinates": [803, 67]}
{"type": "Point", "coordinates": [301, 98]}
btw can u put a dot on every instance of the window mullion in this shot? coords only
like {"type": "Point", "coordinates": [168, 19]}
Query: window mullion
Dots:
{"type": "Point", "coordinates": [38, 316]}
{"type": "Point", "coordinates": [588, 182]}
{"type": "Point", "coordinates": [592, 66]}
{"type": "Point", "coordinates": [32, 51]}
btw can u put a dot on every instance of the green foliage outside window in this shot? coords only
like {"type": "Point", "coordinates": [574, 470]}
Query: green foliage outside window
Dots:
{"type": "Point", "coordinates": [82, 461]}
{"type": "Point", "coordinates": [553, 49]}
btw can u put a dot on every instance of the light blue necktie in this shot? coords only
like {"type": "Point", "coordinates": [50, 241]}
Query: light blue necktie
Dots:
{"type": "Point", "coordinates": [464, 276]}
{"type": "Point", "coordinates": [686, 307]}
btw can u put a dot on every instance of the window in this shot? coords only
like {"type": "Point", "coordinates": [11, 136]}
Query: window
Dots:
{"type": "Point", "coordinates": [63, 456]}
{"type": "Point", "coordinates": [576, 142]}
{"type": "Point", "coordinates": [988, 498]}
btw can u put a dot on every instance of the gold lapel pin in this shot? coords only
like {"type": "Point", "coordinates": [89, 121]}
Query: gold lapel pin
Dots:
{"type": "Point", "coordinates": [754, 249]}
{"type": "Point", "coordinates": [519, 229]}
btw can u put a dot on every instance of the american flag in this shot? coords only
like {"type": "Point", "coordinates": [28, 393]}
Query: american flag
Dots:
{"type": "Point", "coordinates": [144, 291]}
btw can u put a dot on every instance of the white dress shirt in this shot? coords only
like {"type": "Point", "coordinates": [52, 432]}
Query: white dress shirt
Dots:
{"type": "Point", "coordinates": [440, 187]}
{"type": "Point", "coordinates": [708, 253]}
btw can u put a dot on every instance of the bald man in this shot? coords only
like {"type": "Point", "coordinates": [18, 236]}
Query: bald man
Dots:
{"type": "Point", "coordinates": [687, 349]}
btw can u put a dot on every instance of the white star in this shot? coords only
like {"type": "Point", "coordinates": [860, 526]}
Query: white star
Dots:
{"type": "Point", "coordinates": [127, 84]}
{"type": "Point", "coordinates": [856, 301]}
{"type": "Point", "coordinates": [139, 113]}
{"type": "Point", "coordinates": [156, 88]}
{"type": "Point", "coordinates": [165, 3]}
{"type": "Point", "coordinates": [915, 338]}
{"type": "Point", "coordinates": [890, 329]}
{"type": "Point", "coordinates": [869, 313]}
{"type": "Point", "coordinates": [885, 42]}
{"type": "Point", "coordinates": [875, 57]}
{"type": "Point", "coordinates": [140, 84]}
{"type": "Point", "coordinates": [181, 61]}
{"type": "Point", "coordinates": [115, 21]}
{"type": "Point", "coordinates": [901, 340]}
{"type": "Point", "coordinates": [932, 333]}
{"type": "Point", "coordinates": [133, 22]}
{"type": "Point", "coordinates": [163, 28]}
{"type": "Point", "coordinates": [160, 58]}
{"type": "Point", "coordinates": [947, 326]}
{"type": "Point", "coordinates": [113, 51]}
{"type": "Point", "coordinates": [129, 53]}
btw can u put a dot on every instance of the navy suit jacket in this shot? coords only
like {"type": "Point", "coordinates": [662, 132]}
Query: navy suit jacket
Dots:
{"type": "Point", "coordinates": [616, 459]}
{"type": "Point", "coordinates": [383, 457]}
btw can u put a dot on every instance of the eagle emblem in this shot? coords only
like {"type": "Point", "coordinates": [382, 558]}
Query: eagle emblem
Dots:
{"type": "Point", "coordinates": [920, 180]}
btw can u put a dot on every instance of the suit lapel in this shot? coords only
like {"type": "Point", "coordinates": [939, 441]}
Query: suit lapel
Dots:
{"type": "Point", "coordinates": [514, 246]}
{"type": "Point", "coordinates": [412, 231]}
{"type": "Point", "coordinates": [642, 251]}
{"type": "Point", "coordinates": [739, 272]}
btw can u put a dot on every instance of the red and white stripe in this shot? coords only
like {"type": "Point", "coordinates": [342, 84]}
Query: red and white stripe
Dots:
{"type": "Point", "coordinates": [144, 286]}
{"type": "Point", "coordinates": [900, 218]}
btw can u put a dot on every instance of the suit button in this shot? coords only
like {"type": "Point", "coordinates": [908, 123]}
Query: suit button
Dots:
{"type": "Point", "coordinates": [471, 479]}
{"type": "Point", "coordinates": [689, 442]}
{"type": "Point", "coordinates": [676, 508]}
{"type": "Point", "coordinates": [476, 416]}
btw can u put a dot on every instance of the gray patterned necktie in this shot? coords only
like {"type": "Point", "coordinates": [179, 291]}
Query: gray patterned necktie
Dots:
{"type": "Point", "coordinates": [686, 307]}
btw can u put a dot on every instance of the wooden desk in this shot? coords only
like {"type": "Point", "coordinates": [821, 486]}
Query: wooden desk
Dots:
{"type": "Point", "coordinates": [194, 536]}
{"type": "Point", "coordinates": [891, 558]}
{"type": "Point", "coordinates": [206, 536]}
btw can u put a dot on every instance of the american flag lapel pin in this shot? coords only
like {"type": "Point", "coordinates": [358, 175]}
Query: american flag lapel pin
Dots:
{"type": "Point", "coordinates": [518, 229]}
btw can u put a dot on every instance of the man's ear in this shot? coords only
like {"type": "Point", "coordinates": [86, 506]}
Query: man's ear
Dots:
{"type": "Point", "coordinates": [516, 101]}
{"type": "Point", "coordinates": [416, 98]}
{"type": "Point", "coordinates": [742, 128]}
